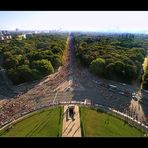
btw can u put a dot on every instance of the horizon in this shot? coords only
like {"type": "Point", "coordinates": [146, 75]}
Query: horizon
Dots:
{"type": "Point", "coordinates": [84, 21]}
{"type": "Point", "coordinates": [80, 31]}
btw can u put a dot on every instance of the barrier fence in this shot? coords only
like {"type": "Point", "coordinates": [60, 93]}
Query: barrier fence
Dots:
{"type": "Point", "coordinates": [112, 111]}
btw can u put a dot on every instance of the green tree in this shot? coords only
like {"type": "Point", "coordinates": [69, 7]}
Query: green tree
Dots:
{"type": "Point", "coordinates": [42, 45]}
{"type": "Point", "coordinates": [97, 66]}
{"type": "Point", "coordinates": [109, 71]}
{"type": "Point", "coordinates": [13, 75]}
{"type": "Point", "coordinates": [43, 66]}
{"type": "Point", "coordinates": [12, 62]}
{"type": "Point", "coordinates": [57, 61]}
{"type": "Point", "coordinates": [24, 73]}
{"type": "Point", "coordinates": [57, 50]}
{"type": "Point", "coordinates": [131, 72]}
{"type": "Point", "coordinates": [120, 69]}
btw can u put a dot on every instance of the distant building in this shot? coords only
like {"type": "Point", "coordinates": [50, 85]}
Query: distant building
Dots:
{"type": "Point", "coordinates": [17, 29]}
{"type": "Point", "coordinates": [127, 35]}
{"type": "Point", "coordinates": [5, 35]}
{"type": "Point", "coordinates": [21, 36]}
{"type": "Point", "coordinates": [87, 102]}
{"type": "Point", "coordinates": [1, 37]}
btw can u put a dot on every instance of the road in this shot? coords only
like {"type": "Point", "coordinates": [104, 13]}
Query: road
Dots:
{"type": "Point", "coordinates": [72, 82]}
{"type": "Point", "coordinates": [89, 87]}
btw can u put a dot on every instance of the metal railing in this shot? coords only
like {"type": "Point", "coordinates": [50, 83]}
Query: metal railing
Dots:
{"type": "Point", "coordinates": [114, 112]}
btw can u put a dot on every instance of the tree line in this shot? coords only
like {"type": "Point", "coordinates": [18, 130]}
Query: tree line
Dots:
{"type": "Point", "coordinates": [114, 57]}
{"type": "Point", "coordinates": [32, 58]}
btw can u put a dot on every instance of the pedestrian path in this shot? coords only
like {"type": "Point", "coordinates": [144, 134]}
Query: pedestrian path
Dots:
{"type": "Point", "coordinates": [71, 128]}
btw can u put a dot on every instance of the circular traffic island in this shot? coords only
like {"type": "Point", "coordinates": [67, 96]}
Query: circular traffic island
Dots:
{"type": "Point", "coordinates": [57, 122]}
{"type": "Point", "coordinates": [43, 123]}
{"type": "Point", "coordinates": [96, 123]}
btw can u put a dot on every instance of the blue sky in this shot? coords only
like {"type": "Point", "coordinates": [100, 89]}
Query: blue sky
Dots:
{"type": "Point", "coordinates": [131, 21]}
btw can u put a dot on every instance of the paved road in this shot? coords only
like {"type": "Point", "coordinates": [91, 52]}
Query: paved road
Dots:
{"type": "Point", "coordinates": [71, 128]}
{"type": "Point", "coordinates": [73, 82]}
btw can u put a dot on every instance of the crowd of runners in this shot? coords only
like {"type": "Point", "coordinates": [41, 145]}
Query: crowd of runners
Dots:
{"type": "Point", "coordinates": [86, 86]}
{"type": "Point", "coordinates": [30, 99]}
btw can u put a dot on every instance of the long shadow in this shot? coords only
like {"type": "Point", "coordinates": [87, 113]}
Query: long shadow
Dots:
{"type": "Point", "coordinates": [144, 103]}
{"type": "Point", "coordinates": [67, 126]}
{"type": "Point", "coordinates": [100, 95]}
{"type": "Point", "coordinates": [12, 91]}
{"type": "Point", "coordinates": [97, 94]}
{"type": "Point", "coordinates": [7, 90]}
{"type": "Point", "coordinates": [92, 92]}
{"type": "Point", "coordinates": [70, 129]}
{"type": "Point", "coordinates": [76, 131]}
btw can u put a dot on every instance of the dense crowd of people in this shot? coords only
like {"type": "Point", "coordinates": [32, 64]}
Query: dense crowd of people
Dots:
{"type": "Point", "coordinates": [34, 98]}
{"type": "Point", "coordinates": [42, 94]}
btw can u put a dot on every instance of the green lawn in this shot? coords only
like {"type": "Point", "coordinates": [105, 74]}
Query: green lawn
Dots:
{"type": "Point", "coordinates": [95, 124]}
{"type": "Point", "coordinates": [46, 123]}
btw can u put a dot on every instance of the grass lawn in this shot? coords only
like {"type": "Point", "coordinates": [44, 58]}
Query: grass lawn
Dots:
{"type": "Point", "coordinates": [95, 124]}
{"type": "Point", "coordinates": [46, 123]}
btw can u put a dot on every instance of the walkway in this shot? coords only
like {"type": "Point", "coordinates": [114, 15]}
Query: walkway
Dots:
{"type": "Point", "coordinates": [71, 128]}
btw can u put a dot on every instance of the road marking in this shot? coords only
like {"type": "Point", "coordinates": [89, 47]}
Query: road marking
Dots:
{"type": "Point", "coordinates": [55, 96]}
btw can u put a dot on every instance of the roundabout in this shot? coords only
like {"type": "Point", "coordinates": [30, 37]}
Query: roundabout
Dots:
{"type": "Point", "coordinates": [40, 108]}
{"type": "Point", "coordinates": [85, 120]}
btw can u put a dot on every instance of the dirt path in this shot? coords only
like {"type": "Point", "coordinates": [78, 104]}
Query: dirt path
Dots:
{"type": "Point", "coordinates": [71, 128]}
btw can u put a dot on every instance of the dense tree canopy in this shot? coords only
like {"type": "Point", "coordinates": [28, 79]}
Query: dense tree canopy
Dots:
{"type": "Point", "coordinates": [43, 66]}
{"type": "Point", "coordinates": [113, 56]}
{"type": "Point", "coordinates": [97, 66]}
{"type": "Point", "coordinates": [32, 58]}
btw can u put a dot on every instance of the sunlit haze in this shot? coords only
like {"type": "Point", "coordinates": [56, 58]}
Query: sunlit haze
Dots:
{"type": "Point", "coordinates": [112, 21]}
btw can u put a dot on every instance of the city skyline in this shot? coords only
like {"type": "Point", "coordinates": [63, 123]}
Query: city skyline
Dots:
{"type": "Point", "coordinates": [108, 21]}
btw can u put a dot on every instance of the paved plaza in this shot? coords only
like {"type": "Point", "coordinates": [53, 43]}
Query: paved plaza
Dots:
{"type": "Point", "coordinates": [71, 128]}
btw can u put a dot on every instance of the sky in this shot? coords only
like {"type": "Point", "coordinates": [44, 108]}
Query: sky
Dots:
{"type": "Point", "coordinates": [113, 21]}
